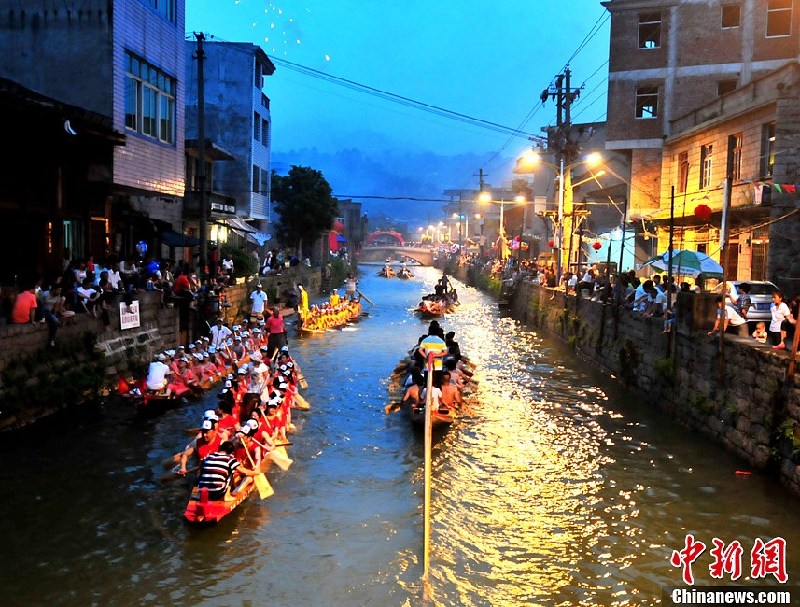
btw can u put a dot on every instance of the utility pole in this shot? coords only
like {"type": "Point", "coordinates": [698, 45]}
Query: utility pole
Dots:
{"type": "Point", "coordinates": [201, 136]}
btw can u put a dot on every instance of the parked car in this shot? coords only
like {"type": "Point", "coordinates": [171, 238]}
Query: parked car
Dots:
{"type": "Point", "coordinates": [761, 296]}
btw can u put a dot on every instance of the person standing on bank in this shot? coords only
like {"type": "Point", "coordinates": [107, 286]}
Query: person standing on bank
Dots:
{"type": "Point", "coordinates": [277, 333]}
{"type": "Point", "coordinates": [781, 318]}
{"type": "Point", "coordinates": [259, 299]}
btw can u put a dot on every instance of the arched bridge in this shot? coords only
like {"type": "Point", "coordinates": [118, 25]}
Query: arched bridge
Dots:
{"type": "Point", "coordinates": [423, 255]}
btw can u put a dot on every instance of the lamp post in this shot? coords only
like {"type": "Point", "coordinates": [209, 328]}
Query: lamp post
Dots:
{"type": "Point", "coordinates": [486, 197]}
{"type": "Point", "coordinates": [532, 159]}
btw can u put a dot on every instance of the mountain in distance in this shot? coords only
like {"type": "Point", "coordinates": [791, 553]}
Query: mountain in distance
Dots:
{"type": "Point", "coordinates": [354, 172]}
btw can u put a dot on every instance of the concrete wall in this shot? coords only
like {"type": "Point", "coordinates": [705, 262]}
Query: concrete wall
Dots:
{"type": "Point", "coordinates": [36, 380]}
{"type": "Point", "coordinates": [744, 403]}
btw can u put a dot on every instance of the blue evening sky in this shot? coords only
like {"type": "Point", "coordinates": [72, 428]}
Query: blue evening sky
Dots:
{"type": "Point", "coordinates": [483, 58]}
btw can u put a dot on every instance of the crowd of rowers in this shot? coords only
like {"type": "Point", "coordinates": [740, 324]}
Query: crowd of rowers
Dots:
{"type": "Point", "coordinates": [248, 425]}
{"type": "Point", "coordinates": [443, 298]}
{"type": "Point", "coordinates": [333, 313]}
{"type": "Point", "coordinates": [452, 373]}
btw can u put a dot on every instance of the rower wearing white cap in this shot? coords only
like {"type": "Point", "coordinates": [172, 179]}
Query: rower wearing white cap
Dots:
{"type": "Point", "coordinates": [157, 375]}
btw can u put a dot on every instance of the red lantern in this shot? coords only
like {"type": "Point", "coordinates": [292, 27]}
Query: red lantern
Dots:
{"type": "Point", "coordinates": [551, 243]}
{"type": "Point", "coordinates": [596, 245]}
{"type": "Point", "coordinates": [702, 212]}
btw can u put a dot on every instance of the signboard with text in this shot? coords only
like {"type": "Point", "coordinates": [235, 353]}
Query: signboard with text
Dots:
{"type": "Point", "coordinates": [129, 316]}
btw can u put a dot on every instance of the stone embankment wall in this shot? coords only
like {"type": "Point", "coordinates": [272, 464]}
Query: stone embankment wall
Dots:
{"type": "Point", "coordinates": [740, 397]}
{"type": "Point", "coordinates": [90, 356]}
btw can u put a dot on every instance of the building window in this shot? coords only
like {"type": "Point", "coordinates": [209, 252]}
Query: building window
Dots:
{"type": "Point", "coordinates": [706, 165]}
{"type": "Point", "coordinates": [779, 18]}
{"type": "Point", "coordinates": [726, 86]}
{"type": "Point", "coordinates": [264, 101]}
{"type": "Point", "coordinates": [265, 132]}
{"type": "Point", "coordinates": [647, 102]}
{"type": "Point", "coordinates": [735, 156]}
{"type": "Point", "coordinates": [730, 16]}
{"type": "Point", "coordinates": [259, 80]}
{"type": "Point", "coordinates": [149, 100]}
{"type": "Point", "coordinates": [683, 171]}
{"type": "Point", "coordinates": [767, 149]}
{"type": "Point", "coordinates": [165, 8]}
{"type": "Point", "coordinates": [256, 126]}
{"type": "Point", "coordinates": [264, 182]}
{"type": "Point", "coordinates": [256, 179]}
{"type": "Point", "coordinates": [650, 30]}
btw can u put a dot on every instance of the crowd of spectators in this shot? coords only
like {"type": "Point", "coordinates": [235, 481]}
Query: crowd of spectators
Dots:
{"type": "Point", "coordinates": [648, 297]}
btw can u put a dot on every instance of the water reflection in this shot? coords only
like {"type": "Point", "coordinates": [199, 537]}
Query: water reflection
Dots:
{"type": "Point", "coordinates": [557, 489]}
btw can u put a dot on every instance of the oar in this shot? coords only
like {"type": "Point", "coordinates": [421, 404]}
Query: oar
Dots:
{"type": "Point", "coordinates": [365, 297]}
{"type": "Point", "coordinates": [301, 402]}
{"type": "Point", "coordinates": [175, 474]}
{"type": "Point", "coordinates": [392, 408]}
{"type": "Point", "coordinates": [169, 462]}
{"type": "Point", "coordinates": [265, 490]}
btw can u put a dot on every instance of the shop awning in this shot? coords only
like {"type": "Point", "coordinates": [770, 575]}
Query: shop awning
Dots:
{"type": "Point", "coordinates": [176, 239]}
{"type": "Point", "coordinates": [237, 224]}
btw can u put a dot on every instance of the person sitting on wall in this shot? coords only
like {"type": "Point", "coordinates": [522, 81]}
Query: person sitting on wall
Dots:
{"type": "Point", "coordinates": [88, 299]}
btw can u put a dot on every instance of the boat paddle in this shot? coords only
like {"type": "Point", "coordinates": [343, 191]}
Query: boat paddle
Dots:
{"type": "Point", "coordinates": [175, 474]}
{"type": "Point", "coordinates": [265, 490]}
{"type": "Point", "coordinates": [365, 297]}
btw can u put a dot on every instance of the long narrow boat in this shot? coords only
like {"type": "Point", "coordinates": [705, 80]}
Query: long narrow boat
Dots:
{"type": "Point", "coordinates": [202, 511]}
{"type": "Point", "coordinates": [352, 315]}
{"type": "Point", "coordinates": [439, 420]}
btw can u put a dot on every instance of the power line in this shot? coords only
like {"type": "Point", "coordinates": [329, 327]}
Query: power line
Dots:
{"type": "Point", "coordinates": [401, 99]}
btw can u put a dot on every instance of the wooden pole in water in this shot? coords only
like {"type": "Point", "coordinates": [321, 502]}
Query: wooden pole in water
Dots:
{"type": "Point", "coordinates": [428, 437]}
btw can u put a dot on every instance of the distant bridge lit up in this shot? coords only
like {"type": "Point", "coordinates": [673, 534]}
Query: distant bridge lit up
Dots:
{"type": "Point", "coordinates": [423, 255]}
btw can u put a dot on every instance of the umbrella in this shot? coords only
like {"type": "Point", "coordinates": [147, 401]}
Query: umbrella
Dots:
{"type": "Point", "coordinates": [691, 263]}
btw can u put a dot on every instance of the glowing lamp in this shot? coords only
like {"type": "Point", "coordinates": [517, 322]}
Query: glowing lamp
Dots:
{"type": "Point", "coordinates": [551, 243]}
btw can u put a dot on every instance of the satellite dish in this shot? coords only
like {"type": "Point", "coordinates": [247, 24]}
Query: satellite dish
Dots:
{"type": "Point", "coordinates": [68, 128]}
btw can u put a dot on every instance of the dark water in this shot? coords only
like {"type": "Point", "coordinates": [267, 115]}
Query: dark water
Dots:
{"type": "Point", "coordinates": [556, 489]}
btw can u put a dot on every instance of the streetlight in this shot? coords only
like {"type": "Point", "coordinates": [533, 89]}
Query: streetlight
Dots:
{"type": "Point", "coordinates": [531, 159]}
{"type": "Point", "coordinates": [486, 197]}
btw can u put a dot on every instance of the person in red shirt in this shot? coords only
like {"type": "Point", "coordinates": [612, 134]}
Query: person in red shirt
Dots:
{"type": "Point", "coordinates": [208, 442]}
{"type": "Point", "coordinates": [25, 305]}
{"type": "Point", "coordinates": [277, 333]}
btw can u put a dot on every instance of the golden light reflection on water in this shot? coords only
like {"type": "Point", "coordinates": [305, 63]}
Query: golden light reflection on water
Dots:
{"type": "Point", "coordinates": [525, 512]}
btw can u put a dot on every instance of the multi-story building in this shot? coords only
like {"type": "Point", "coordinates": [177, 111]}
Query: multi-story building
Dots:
{"type": "Point", "coordinates": [669, 57]}
{"type": "Point", "coordinates": [699, 91]}
{"type": "Point", "coordinates": [237, 119]}
{"type": "Point", "coordinates": [122, 59]}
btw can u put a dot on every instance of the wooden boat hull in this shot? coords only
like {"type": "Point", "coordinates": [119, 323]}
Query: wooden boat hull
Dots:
{"type": "Point", "coordinates": [439, 421]}
{"type": "Point", "coordinates": [200, 511]}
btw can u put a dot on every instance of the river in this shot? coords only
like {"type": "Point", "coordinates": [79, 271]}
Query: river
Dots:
{"type": "Point", "coordinates": [557, 487]}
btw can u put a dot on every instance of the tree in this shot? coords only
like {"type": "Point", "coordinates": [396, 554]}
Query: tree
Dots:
{"type": "Point", "coordinates": [305, 205]}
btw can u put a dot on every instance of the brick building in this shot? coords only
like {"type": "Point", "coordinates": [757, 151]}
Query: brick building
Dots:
{"type": "Point", "coordinates": [124, 60]}
{"type": "Point", "coordinates": [679, 72]}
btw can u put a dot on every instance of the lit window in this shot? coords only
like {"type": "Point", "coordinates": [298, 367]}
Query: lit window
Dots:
{"type": "Point", "coordinates": [149, 100]}
{"type": "Point", "coordinates": [706, 165]}
{"type": "Point", "coordinates": [779, 18]}
{"type": "Point", "coordinates": [730, 16]}
{"type": "Point", "coordinates": [768, 149]}
{"type": "Point", "coordinates": [735, 156]}
{"type": "Point", "coordinates": [683, 171]}
{"type": "Point", "coordinates": [647, 102]}
{"type": "Point", "coordinates": [650, 30]}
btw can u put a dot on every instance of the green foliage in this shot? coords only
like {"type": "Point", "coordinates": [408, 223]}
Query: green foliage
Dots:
{"type": "Point", "coordinates": [339, 270]}
{"type": "Point", "coordinates": [572, 341]}
{"type": "Point", "coordinates": [304, 202]}
{"type": "Point", "coordinates": [665, 368]}
{"type": "Point", "coordinates": [788, 431]}
{"type": "Point", "coordinates": [68, 373]}
{"type": "Point", "coordinates": [700, 403]}
{"type": "Point", "coordinates": [244, 264]}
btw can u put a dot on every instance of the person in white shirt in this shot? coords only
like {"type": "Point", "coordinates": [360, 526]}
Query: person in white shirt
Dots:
{"type": "Point", "coordinates": [157, 374]}
{"type": "Point", "coordinates": [732, 319]}
{"type": "Point", "coordinates": [259, 299]}
{"type": "Point", "coordinates": [219, 335]}
{"type": "Point", "coordinates": [781, 317]}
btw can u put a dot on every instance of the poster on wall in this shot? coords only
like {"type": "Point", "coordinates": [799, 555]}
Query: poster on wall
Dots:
{"type": "Point", "coordinates": [129, 315]}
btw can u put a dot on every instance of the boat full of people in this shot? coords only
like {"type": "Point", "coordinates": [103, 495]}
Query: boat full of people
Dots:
{"type": "Point", "coordinates": [336, 312]}
{"type": "Point", "coordinates": [404, 273]}
{"type": "Point", "coordinates": [443, 300]}
{"type": "Point", "coordinates": [452, 377]}
{"type": "Point", "coordinates": [386, 271]}
{"type": "Point", "coordinates": [239, 440]}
